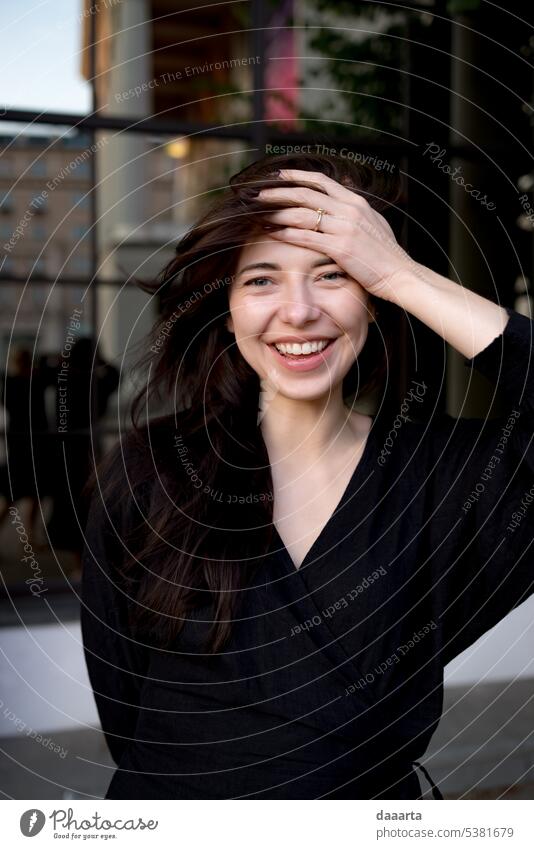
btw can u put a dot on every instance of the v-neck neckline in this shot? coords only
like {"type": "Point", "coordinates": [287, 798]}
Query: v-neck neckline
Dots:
{"type": "Point", "coordinates": [279, 547]}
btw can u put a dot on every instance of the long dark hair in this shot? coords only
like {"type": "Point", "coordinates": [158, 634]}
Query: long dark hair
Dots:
{"type": "Point", "coordinates": [200, 477]}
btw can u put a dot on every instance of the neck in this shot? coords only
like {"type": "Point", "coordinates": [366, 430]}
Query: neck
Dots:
{"type": "Point", "coordinates": [309, 431]}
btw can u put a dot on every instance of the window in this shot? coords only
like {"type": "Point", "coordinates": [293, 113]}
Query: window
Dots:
{"type": "Point", "coordinates": [38, 168]}
{"type": "Point", "coordinates": [79, 232]}
{"type": "Point", "coordinates": [6, 203]}
{"type": "Point", "coordinates": [39, 231]}
{"type": "Point", "coordinates": [82, 171]}
{"type": "Point", "coordinates": [39, 266]}
{"type": "Point", "coordinates": [81, 200]}
{"type": "Point", "coordinates": [38, 204]}
{"type": "Point", "coordinates": [80, 265]}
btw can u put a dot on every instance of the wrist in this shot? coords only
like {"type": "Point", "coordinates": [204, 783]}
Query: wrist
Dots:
{"type": "Point", "coordinates": [405, 286]}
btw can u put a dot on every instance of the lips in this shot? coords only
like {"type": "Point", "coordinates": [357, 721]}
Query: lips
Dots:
{"type": "Point", "coordinates": [303, 362]}
{"type": "Point", "coordinates": [301, 339]}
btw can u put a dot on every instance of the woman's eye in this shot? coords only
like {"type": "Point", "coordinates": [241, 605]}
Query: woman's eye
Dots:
{"type": "Point", "coordinates": [336, 274]}
{"type": "Point", "coordinates": [330, 275]}
{"type": "Point", "coordinates": [256, 280]}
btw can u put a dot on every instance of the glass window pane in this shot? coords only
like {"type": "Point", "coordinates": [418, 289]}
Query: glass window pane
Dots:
{"type": "Point", "coordinates": [39, 326]}
{"type": "Point", "coordinates": [149, 191]}
{"type": "Point", "coordinates": [42, 179]}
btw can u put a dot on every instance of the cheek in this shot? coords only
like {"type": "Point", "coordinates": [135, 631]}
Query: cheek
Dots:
{"type": "Point", "coordinates": [351, 314]}
{"type": "Point", "coordinates": [249, 319]}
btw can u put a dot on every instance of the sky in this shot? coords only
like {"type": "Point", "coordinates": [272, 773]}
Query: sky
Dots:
{"type": "Point", "coordinates": [39, 58]}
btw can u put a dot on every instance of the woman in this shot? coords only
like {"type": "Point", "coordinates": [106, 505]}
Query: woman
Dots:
{"type": "Point", "coordinates": [274, 581]}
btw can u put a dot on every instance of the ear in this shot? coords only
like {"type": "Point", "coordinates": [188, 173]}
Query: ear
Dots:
{"type": "Point", "coordinates": [229, 324]}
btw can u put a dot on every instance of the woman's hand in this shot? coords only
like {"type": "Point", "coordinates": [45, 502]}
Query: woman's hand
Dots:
{"type": "Point", "coordinates": [353, 234]}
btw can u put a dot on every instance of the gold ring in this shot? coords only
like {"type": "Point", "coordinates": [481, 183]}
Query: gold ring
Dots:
{"type": "Point", "coordinates": [320, 212]}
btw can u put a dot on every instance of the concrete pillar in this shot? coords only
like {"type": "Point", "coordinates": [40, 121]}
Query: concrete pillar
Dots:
{"type": "Point", "coordinates": [121, 171]}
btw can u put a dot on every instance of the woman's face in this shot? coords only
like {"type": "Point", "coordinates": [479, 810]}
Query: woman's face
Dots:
{"type": "Point", "coordinates": [284, 292]}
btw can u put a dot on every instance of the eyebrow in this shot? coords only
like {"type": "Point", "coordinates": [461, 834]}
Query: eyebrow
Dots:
{"type": "Point", "coordinates": [272, 266]}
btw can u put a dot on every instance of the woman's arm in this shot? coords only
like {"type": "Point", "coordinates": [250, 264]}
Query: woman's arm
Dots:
{"type": "Point", "coordinates": [479, 493]}
{"type": "Point", "coordinates": [464, 319]}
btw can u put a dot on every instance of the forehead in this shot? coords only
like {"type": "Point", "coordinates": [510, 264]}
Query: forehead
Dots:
{"type": "Point", "coordinates": [263, 248]}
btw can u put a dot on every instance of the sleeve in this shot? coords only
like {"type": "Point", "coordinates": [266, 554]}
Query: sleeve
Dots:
{"type": "Point", "coordinates": [482, 498]}
{"type": "Point", "coordinates": [116, 663]}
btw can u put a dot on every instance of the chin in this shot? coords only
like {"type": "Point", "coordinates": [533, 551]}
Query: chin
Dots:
{"type": "Point", "coordinates": [309, 393]}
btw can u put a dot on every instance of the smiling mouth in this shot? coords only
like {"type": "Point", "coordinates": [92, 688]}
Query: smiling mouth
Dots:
{"type": "Point", "coordinates": [302, 356]}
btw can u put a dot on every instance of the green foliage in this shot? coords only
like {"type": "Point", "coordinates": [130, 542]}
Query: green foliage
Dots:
{"type": "Point", "coordinates": [365, 59]}
{"type": "Point", "coordinates": [462, 7]}
{"type": "Point", "coordinates": [364, 76]}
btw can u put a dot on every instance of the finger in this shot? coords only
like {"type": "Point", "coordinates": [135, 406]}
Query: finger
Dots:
{"type": "Point", "coordinates": [305, 197]}
{"type": "Point", "coordinates": [299, 216]}
{"type": "Point", "coordinates": [334, 189]}
{"type": "Point", "coordinates": [316, 241]}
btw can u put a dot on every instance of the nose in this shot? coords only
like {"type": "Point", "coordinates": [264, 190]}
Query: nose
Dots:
{"type": "Point", "coordinates": [297, 300]}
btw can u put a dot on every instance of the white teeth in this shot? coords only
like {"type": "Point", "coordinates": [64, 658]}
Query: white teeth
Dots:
{"type": "Point", "coordinates": [296, 349]}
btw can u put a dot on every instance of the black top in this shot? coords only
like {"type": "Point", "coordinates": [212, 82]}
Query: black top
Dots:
{"type": "Point", "coordinates": [331, 684]}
